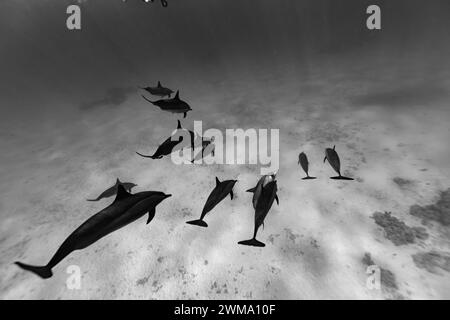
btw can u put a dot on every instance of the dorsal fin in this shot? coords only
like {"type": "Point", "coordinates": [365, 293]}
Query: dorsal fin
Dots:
{"type": "Point", "coordinates": [118, 181]}
{"type": "Point", "coordinates": [217, 181]}
{"type": "Point", "coordinates": [334, 147]}
{"type": "Point", "coordinates": [159, 84]}
{"type": "Point", "coordinates": [177, 96]}
{"type": "Point", "coordinates": [179, 125]}
{"type": "Point", "coordinates": [121, 193]}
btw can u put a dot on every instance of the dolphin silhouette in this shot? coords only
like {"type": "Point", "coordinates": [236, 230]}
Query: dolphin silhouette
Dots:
{"type": "Point", "coordinates": [164, 149]}
{"type": "Point", "coordinates": [303, 161]}
{"type": "Point", "coordinates": [262, 182]}
{"type": "Point", "coordinates": [170, 144]}
{"type": "Point", "coordinates": [265, 201]}
{"type": "Point", "coordinates": [113, 190]}
{"type": "Point", "coordinates": [219, 193]}
{"type": "Point", "coordinates": [334, 161]}
{"type": "Point", "coordinates": [125, 209]}
{"type": "Point", "coordinates": [174, 105]}
{"type": "Point", "coordinates": [159, 90]}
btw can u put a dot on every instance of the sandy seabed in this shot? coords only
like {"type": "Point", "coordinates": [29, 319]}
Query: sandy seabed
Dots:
{"type": "Point", "coordinates": [319, 240]}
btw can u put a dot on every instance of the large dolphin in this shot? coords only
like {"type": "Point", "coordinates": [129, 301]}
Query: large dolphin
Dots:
{"type": "Point", "coordinates": [265, 201]}
{"type": "Point", "coordinates": [125, 209]}
{"type": "Point", "coordinates": [174, 105]}
{"type": "Point", "coordinates": [333, 159]}
{"type": "Point", "coordinates": [262, 182]}
{"type": "Point", "coordinates": [159, 90]}
{"type": "Point", "coordinates": [303, 161]}
{"type": "Point", "coordinates": [219, 193]}
{"type": "Point", "coordinates": [113, 190]}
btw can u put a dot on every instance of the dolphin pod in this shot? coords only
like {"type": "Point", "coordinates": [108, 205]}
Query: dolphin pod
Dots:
{"type": "Point", "coordinates": [113, 190]}
{"type": "Point", "coordinates": [159, 90]}
{"type": "Point", "coordinates": [125, 209]}
{"type": "Point", "coordinates": [219, 193]}
{"type": "Point", "coordinates": [174, 105]}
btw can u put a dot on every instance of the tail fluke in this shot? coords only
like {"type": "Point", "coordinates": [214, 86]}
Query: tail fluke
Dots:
{"type": "Point", "coordinates": [198, 222]}
{"type": "Point", "coordinates": [43, 272]}
{"type": "Point", "coordinates": [252, 242]}
{"type": "Point", "coordinates": [145, 156]}
{"type": "Point", "coordinates": [341, 178]}
{"type": "Point", "coordinates": [309, 178]}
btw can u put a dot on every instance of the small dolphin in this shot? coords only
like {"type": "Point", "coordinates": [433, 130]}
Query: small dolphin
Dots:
{"type": "Point", "coordinates": [333, 159]}
{"type": "Point", "coordinates": [174, 105]}
{"type": "Point", "coordinates": [164, 149]}
{"type": "Point", "coordinates": [219, 193]}
{"type": "Point", "coordinates": [169, 145]}
{"type": "Point", "coordinates": [303, 161]}
{"type": "Point", "coordinates": [113, 190]}
{"type": "Point", "coordinates": [258, 188]}
{"type": "Point", "coordinates": [159, 90]}
{"type": "Point", "coordinates": [191, 134]}
{"type": "Point", "coordinates": [125, 209]}
{"type": "Point", "coordinates": [208, 147]}
{"type": "Point", "coordinates": [265, 201]}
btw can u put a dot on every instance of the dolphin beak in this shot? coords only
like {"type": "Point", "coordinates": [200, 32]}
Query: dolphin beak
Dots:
{"type": "Point", "coordinates": [167, 196]}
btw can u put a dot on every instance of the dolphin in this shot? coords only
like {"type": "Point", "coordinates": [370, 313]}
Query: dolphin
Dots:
{"type": "Point", "coordinates": [219, 193]}
{"type": "Point", "coordinates": [258, 188]}
{"type": "Point", "coordinates": [208, 147]}
{"type": "Point", "coordinates": [303, 161]}
{"type": "Point", "coordinates": [159, 90]}
{"type": "Point", "coordinates": [169, 145]}
{"type": "Point", "coordinates": [164, 149]}
{"type": "Point", "coordinates": [113, 190]}
{"type": "Point", "coordinates": [333, 159]}
{"type": "Point", "coordinates": [191, 134]}
{"type": "Point", "coordinates": [174, 105]}
{"type": "Point", "coordinates": [265, 201]}
{"type": "Point", "coordinates": [125, 209]}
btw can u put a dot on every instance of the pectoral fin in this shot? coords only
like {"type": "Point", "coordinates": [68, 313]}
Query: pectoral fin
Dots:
{"type": "Point", "coordinates": [276, 198]}
{"type": "Point", "coordinates": [151, 215]}
{"type": "Point", "coordinates": [251, 190]}
{"type": "Point", "coordinates": [184, 116]}
{"type": "Point", "coordinates": [231, 194]}
{"type": "Point", "coordinates": [324, 159]}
